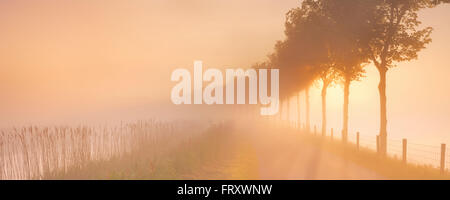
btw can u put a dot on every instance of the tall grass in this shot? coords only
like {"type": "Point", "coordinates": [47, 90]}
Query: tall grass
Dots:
{"type": "Point", "coordinates": [200, 154]}
{"type": "Point", "coordinates": [33, 152]}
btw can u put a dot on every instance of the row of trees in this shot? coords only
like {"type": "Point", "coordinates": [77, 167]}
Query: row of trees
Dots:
{"type": "Point", "coordinates": [332, 40]}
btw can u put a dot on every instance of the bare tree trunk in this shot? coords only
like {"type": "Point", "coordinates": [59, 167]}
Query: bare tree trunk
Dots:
{"type": "Point", "coordinates": [345, 116]}
{"type": "Point", "coordinates": [324, 109]}
{"type": "Point", "coordinates": [298, 111]}
{"type": "Point", "coordinates": [308, 127]}
{"type": "Point", "coordinates": [280, 114]}
{"type": "Point", "coordinates": [288, 113]}
{"type": "Point", "coordinates": [383, 114]}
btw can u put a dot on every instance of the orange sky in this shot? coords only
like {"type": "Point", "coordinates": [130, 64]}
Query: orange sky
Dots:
{"type": "Point", "coordinates": [77, 58]}
{"type": "Point", "coordinates": [64, 61]}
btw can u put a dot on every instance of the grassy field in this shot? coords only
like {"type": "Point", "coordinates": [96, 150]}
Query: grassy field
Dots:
{"type": "Point", "coordinates": [222, 151]}
{"type": "Point", "coordinates": [39, 152]}
{"type": "Point", "coordinates": [209, 155]}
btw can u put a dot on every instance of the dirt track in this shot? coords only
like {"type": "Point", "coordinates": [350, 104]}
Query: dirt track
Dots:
{"type": "Point", "coordinates": [289, 156]}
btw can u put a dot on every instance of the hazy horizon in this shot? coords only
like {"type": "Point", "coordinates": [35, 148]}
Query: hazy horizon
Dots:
{"type": "Point", "coordinates": [83, 61]}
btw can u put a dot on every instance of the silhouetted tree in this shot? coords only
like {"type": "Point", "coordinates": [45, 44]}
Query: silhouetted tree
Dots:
{"type": "Point", "coordinates": [396, 37]}
{"type": "Point", "coordinates": [295, 72]}
{"type": "Point", "coordinates": [303, 49]}
{"type": "Point", "coordinates": [299, 125]}
{"type": "Point", "coordinates": [327, 75]}
{"type": "Point", "coordinates": [347, 36]}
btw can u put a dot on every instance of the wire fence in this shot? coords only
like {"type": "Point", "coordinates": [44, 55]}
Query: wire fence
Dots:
{"type": "Point", "coordinates": [431, 155]}
{"type": "Point", "coordinates": [417, 153]}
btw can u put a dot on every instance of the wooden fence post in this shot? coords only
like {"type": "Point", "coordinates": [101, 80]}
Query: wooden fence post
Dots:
{"type": "Point", "coordinates": [331, 133]}
{"type": "Point", "coordinates": [442, 158]}
{"type": "Point", "coordinates": [378, 144]}
{"type": "Point", "coordinates": [357, 141]}
{"type": "Point", "coordinates": [404, 142]}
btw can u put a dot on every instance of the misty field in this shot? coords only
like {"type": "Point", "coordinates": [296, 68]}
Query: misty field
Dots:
{"type": "Point", "coordinates": [185, 150]}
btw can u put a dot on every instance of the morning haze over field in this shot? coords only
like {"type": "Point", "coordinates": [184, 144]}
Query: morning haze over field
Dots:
{"type": "Point", "coordinates": [71, 63]}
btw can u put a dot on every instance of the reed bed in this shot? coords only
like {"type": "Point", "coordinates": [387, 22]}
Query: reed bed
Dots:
{"type": "Point", "coordinates": [34, 152]}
